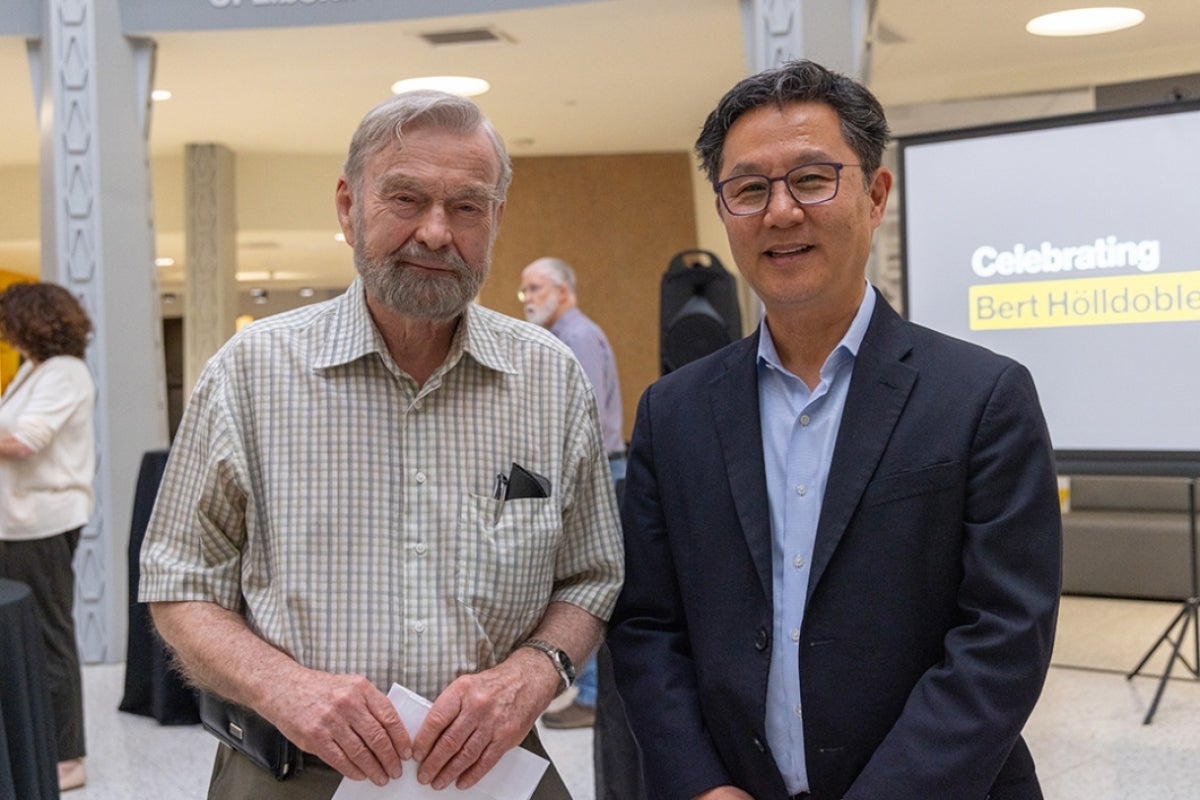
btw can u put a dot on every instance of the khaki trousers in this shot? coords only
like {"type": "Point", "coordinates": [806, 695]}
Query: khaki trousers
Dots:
{"type": "Point", "coordinates": [235, 777]}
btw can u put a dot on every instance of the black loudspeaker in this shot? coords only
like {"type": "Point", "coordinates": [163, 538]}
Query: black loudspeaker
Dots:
{"type": "Point", "coordinates": [699, 312]}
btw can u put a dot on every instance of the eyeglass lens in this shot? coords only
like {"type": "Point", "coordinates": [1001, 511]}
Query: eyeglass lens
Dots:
{"type": "Point", "coordinates": [808, 184]}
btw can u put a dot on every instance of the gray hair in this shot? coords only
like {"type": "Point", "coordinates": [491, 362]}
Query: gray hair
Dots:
{"type": "Point", "coordinates": [560, 270]}
{"type": "Point", "coordinates": [864, 125]}
{"type": "Point", "coordinates": [386, 123]}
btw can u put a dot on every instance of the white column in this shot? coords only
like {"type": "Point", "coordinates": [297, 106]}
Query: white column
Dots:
{"type": "Point", "coordinates": [831, 32]}
{"type": "Point", "coordinates": [210, 298]}
{"type": "Point", "coordinates": [91, 87]}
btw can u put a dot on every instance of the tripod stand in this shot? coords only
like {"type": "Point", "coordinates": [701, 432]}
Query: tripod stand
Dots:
{"type": "Point", "coordinates": [1189, 615]}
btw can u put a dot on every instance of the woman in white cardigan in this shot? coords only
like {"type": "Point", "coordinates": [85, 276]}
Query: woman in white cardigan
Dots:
{"type": "Point", "coordinates": [47, 463]}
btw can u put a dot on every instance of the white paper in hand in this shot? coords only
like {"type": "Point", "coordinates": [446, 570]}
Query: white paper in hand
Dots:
{"type": "Point", "coordinates": [513, 778]}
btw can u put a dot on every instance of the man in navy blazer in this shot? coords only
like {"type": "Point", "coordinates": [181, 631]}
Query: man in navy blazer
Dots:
{"type": "Point", "coordinates": [843, 538]}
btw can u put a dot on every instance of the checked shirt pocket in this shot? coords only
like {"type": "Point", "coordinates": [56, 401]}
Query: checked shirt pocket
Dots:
{"type": "Point", "coordinates": [504, 570]}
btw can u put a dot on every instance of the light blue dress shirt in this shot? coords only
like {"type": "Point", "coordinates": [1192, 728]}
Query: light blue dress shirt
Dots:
{"type": "Point", "coordinates": [799, 429]}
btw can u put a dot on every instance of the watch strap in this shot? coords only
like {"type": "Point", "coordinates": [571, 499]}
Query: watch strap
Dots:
{"type": "Point", "coordinates": [558, 657]}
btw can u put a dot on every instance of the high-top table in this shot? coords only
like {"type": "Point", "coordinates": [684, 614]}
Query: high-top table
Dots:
{"type": "Point", "coordinates": [152, 686]}
{"type": "Point", "coordinates": [28, 752]}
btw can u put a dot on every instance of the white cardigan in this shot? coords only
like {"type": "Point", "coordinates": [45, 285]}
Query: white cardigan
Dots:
{"type": "Point", "coordinates": [48, 408]}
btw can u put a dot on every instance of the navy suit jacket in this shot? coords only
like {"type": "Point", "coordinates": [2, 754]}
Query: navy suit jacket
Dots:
{"type": "Point", "coordinates": [934, 584]}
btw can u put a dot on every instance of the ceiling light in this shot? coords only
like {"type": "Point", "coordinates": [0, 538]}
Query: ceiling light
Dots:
{"type": "Point", "coordinates": [452, 84]}
{"type": "Point", "coordinates": [307, 291]}
{"type": "Point", "coordinates": [160, 94]}
{"type": "Point", "coordinates": [164, 261]}
{"type": "Point", "coordinates": [1084, 21]}
{"type": "Point", "coordinates": [339, 237]}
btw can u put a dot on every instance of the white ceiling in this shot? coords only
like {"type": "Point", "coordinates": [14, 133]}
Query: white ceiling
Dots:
{"type": "Point", "coordinates": [596, 77]}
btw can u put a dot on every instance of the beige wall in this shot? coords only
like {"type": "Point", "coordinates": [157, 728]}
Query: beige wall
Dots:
{"type": "Point", "coordinates": [617, 220]}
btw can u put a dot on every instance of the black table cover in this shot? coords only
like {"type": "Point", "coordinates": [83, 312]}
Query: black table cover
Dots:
{"type": "Point", "coordinates": [28, 753]}
{"type": "Point", "coordinates": [152, 687]}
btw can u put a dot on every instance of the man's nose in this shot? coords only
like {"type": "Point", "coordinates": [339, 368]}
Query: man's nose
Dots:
{"type": "Point", "coordinates": [433, 229]}
{"type": "Point", "coordinates": [782, 208]}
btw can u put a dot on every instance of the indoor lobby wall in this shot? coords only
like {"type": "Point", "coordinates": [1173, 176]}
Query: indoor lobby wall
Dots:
{"type": "Point", "coordinates": [618, 220]}
{"type": "Point", "coordinates": [19, 202]}
{"type": "Point", "coordinates": [19, 219]}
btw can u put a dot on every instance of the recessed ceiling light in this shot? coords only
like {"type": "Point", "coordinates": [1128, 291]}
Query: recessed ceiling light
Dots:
{"type": "Point", "coordinates": [1085, 21]}
{"type": "Point", "coordinates": [160, 94]}
{"type": "Point", "coordinates": [164, 261]}
{"type": "Point", "coordinates": [453, 84]}
{"type": "Point", "coordinates": [339, 237]}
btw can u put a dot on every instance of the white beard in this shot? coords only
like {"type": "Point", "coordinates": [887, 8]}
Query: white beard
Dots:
{"type": "Point", "coordinates": [540, 315]}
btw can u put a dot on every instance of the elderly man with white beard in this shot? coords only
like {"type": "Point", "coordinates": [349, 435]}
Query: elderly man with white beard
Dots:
{"type": "Point", "coordinates": [395, 486]}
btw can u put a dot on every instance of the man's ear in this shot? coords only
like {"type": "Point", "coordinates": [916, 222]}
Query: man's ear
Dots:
{"type": "Point", "coordinates": [343, 198]}
{"type": "Point", "coordinates": [881, 187]}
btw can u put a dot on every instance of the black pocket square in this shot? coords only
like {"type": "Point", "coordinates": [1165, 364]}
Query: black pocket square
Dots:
{"type": "Point", "coordinates": [523, 483]}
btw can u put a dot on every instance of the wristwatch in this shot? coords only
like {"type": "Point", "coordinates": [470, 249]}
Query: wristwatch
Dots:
{"type": "Point", "coordinates": [558, 657]}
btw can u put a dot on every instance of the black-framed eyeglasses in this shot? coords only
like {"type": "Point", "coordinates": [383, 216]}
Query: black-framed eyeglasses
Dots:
{"type": "Point", "coordinates": [808, 184]}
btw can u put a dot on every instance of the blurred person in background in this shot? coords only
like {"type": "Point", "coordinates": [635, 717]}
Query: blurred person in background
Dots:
{"type": "Point", "coordinates": [47, 463]}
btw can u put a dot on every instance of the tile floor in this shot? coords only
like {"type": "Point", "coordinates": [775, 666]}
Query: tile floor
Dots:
{"type": "Point", "coordinates": [1086, 733]}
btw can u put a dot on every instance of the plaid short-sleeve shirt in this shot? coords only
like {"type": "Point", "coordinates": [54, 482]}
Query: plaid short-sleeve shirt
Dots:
{"type": "Point", "coordinates": [350, 514]}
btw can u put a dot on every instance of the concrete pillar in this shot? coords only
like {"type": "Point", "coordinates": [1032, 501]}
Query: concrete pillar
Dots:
{"type": "Point", "coordinates": [831, 32]}
{"type": "Point", "coordinates": [210, 304]}
{"type": "Point", "coordinates": [92, 92]}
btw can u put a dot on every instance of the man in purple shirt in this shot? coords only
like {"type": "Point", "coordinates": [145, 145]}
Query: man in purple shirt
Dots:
{"type": "Point", "coordinates": [548, 292]}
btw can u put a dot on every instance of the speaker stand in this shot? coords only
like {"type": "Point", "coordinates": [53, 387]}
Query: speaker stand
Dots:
{"type": "Point", "coordinates": [1188, 616]}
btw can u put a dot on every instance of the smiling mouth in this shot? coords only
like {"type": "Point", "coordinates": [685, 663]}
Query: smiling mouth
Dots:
{"type": "Point", "coordinates": [791, 251]}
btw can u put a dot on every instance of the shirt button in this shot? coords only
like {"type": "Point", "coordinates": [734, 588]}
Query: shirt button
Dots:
{"type": "Point", "coordinates": [420, 476]}
{"type": "Point", "coordinates": [419, 626]}
{"type": "Point", "coordinates": [799, 715]}
{"type": "Point", "coordinates": [802, 490]}
{"type": "Point", "coordinates": [795, 634]}
{"type": "Point", "coordinates": [420, 548]}
{"type": "Point", "coordinates": [798, 562]}
{"type": "Point", "coordinates": [417, 404]}
{"type": "Point", "coordinates": [804, 420]}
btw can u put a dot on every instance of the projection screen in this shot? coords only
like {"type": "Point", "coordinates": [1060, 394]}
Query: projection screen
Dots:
{"type": "Point", "coordinates": [1073, 245]}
